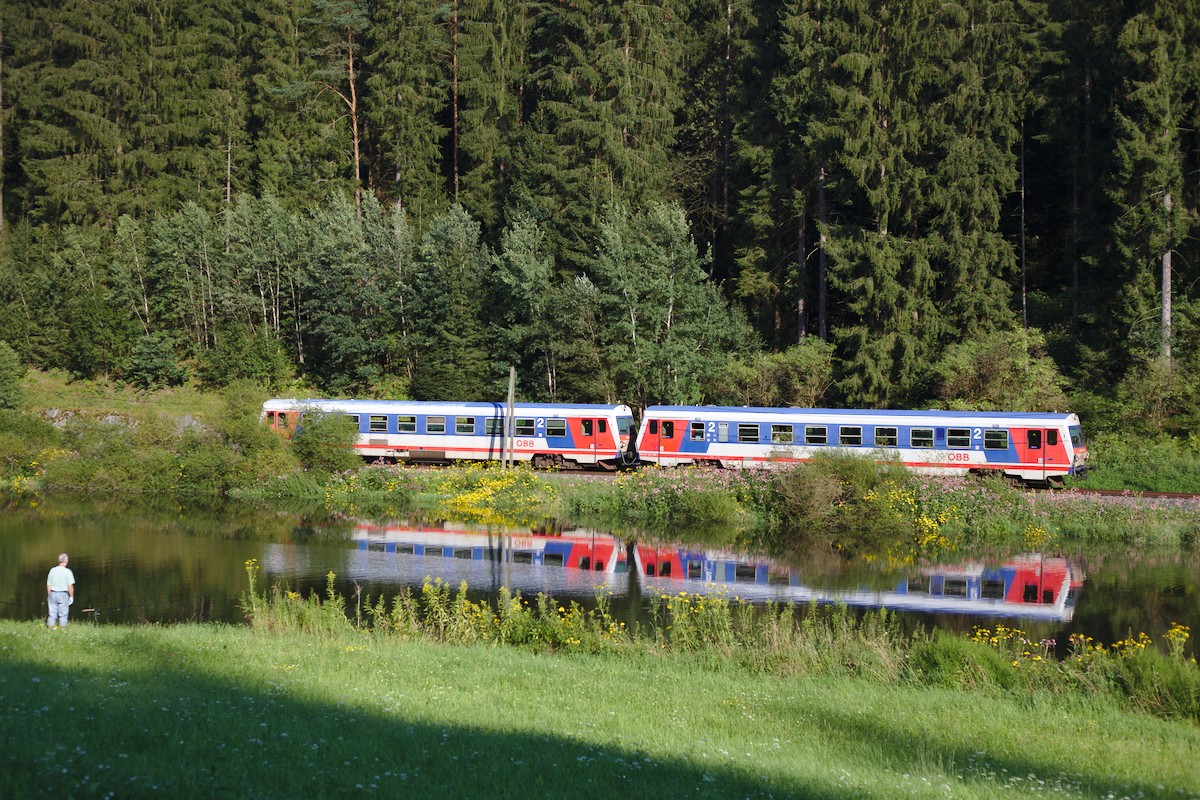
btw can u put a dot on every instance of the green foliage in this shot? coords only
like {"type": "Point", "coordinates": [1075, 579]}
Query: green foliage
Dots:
{"type": "Point", "coordinates": [153, 363]}
{"type": "Point", "coordinates": [953, 662]}
{"type": "Point", "coordinates": [325, 442]}
{"type": "Point", "coordinates": [242, 354]}
{"type": "Point", "coordinates": [903, 174]}
{"type": "Point", "coordinates": [1003, 370]}
{"type": "Point", "coordinates": [12, 371]}
{"type": "Point", "coordinates": [799, 377]}
{"type": "Point", "coordinates": [1137, 463]}
{"type": "Point", "coordinates": [451, 350]}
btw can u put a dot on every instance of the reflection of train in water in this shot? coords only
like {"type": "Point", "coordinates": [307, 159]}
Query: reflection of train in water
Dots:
{"type": "Point", "coordinates": [1029, 586]}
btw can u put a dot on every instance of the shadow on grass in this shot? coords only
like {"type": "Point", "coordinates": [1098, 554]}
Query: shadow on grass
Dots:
{"type": "Point", "coordinates": [138, 732]}
{"type": "Point", "coordinates": [155, 722]}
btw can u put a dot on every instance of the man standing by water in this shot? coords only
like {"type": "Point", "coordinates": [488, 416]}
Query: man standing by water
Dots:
{"type": "Point", "coordinates": [60, 592]}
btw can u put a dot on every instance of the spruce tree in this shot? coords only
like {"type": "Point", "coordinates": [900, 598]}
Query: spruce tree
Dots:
{"type": "Point", "coordinates": [405, 106]}
{"type": "Point", "coordinates": [1152, 109]}
{"type": "Point", "coordinates": [449, 347]}
{"type": "Point", "coordinates": [494, 62]}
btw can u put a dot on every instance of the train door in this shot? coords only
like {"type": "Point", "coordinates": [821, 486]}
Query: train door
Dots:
{"type": "Point", "coordinates": [1031, 451]}
{"type": "Point", "coordinates": [649, 443]}
{"type": "Point", "coordinates": [587, 439]}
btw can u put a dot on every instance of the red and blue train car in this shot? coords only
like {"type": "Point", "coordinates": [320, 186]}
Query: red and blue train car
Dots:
{"type": "Point", "coordinates": [1032, 447]}
{"type": "Point", "coordinates": [544, 434]}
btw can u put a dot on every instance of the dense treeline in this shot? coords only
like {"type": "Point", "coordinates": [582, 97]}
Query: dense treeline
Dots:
{"type": "Point", "coordinates": [833, 201]}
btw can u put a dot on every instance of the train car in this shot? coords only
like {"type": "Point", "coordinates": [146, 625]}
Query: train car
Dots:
{"type": "Point", "coordinates": [545, 434]}
{"type": "Point", "coordinates": [1038, 449]}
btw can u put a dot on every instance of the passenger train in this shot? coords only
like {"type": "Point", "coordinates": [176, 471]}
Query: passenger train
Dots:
{"type": "Point", "coordinates": [544, 434]}
{"type": "Point", "coordinates": [1034, 448]}
{"type": "Point", "coordinates": [1038, 449]}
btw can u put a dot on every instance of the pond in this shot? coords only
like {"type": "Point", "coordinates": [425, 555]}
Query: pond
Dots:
{"type": "Point", "coordinates": [149, 562]}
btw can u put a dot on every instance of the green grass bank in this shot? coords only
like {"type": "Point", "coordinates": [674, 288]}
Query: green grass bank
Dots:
{"type": "Point", "coordinates": [195, 710]}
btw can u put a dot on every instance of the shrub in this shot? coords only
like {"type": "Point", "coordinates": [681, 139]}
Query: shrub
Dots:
{"type": "Point", "coordinates": [12, 394]}
{"type": "Point", "coordinates": [325, 442]}
{"type": "Point", "coordinates": [950, 661]}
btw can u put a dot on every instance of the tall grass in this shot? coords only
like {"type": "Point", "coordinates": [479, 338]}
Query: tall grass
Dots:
{"type": "Point", "coordinates": [781, 639]}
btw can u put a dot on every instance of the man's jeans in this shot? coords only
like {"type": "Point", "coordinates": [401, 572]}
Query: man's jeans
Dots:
{"type": "Point", "coordinates": [60, 604]}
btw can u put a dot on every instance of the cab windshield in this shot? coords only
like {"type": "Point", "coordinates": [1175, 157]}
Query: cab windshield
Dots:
{"type": "Point", "coordinates": [624, 425]}
{"type": "Point", "coordinates": [1076, 436]}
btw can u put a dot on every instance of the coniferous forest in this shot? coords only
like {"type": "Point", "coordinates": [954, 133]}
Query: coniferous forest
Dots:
{"type": "Point", "coordinates": [772, 202]}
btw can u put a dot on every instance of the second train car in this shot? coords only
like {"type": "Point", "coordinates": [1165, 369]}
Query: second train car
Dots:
{"type": "Point", "coordinates": [1031, 447]}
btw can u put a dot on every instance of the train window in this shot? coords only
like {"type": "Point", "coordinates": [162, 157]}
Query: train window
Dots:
{"type": "Point", "coordinates": [282, 420]}
{"type": "Point", "coordinates": [624, 425]}
{"type": "Point", "coordinates": [664, 569]}
{"type": "Point", "coordinates": [1076, 436]}
{"type": "Point", "coordinates": [955, 587]}
{"type": "Point", "coordinates": [918, 583]}
{"type": "Point", "coordinates": [653, 426]}
{"type": "Point", "coordinates": [585, 427]}
{"type": "Point", "coordinates": [745, 572]}
{"type": "Point", "coordinates": [493, 426]}
{"type": "Point", "coordinates": [995, 439]}
{"type": "Point", "coordinates": [992, 589]}
{"type": "Point", "coordinates": [378, 424]}
{"type": "Point", "coordinates": [649, 570]}
{"type": "Point", "coordinates": [1051, 438]}
{"type": "Point", "coordinates": [354, 419]}
{"type": "Point", "coordinates": [695, 570]}
{"type": "Point", "coordinates": [406, 424]}
{"type": "Point", "coordinates": [886, 437]}
{"type": "Point", "coordinates": [851, 435]}
{"type": "Point", "coordinates": [585, 562]}
{"type": "Point", "coordinates": [602, 425]}
{"type": "Point", "coordinates": [920, 437]}
{"type": "Point", "coordinates": [525, 427]}
{"type": "Point", "coordinates": [1034, 439]}
{"type": "Point", "coordinates": [668, 429]}
{"type": "Point", "coordinates": [747, 433]}
{"type": "Point", "coordinates": [781, 434]}
{"type": "Point", "coordinates": [435, 424]}
{"type": "Point", "coordinates": [696, 431]}
{"type": "Point", "coordinates": [464, 425]}
{"type": "Point", "coordinates": [958, 437]}
{"type": "Point", "coordinates": [815, 434]}
{"type": "Point", "coordinates": [556, 427]}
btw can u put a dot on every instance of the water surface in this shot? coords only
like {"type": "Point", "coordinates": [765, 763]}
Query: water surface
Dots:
{"type": "Point", "coordinates": [154, 562]}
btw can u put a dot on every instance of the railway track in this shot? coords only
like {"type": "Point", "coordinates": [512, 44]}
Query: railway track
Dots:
{"type": "Point", "coordinates": [1127, 493]}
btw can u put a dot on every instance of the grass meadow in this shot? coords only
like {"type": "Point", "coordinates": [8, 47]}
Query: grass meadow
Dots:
{"type": "Point", "coordinates": [222, 711]}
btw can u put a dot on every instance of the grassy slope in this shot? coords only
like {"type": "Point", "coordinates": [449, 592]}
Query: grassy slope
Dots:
{"type": "Point", "coordinates": [55, 389]}
{"type": "Point", "coordinates": [221, 711]}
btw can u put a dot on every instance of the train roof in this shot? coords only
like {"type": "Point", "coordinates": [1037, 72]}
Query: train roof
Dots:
{"type": "Point", "coordinates": [733, 413]}
{"type": "Point", "coordinates": [431, 406]}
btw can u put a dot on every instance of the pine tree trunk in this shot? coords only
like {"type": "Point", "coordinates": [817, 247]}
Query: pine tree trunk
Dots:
{"type": "Point", "coordinates": [1166, 289]}
{"type": "Point", "coordinates": [821, 326]}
